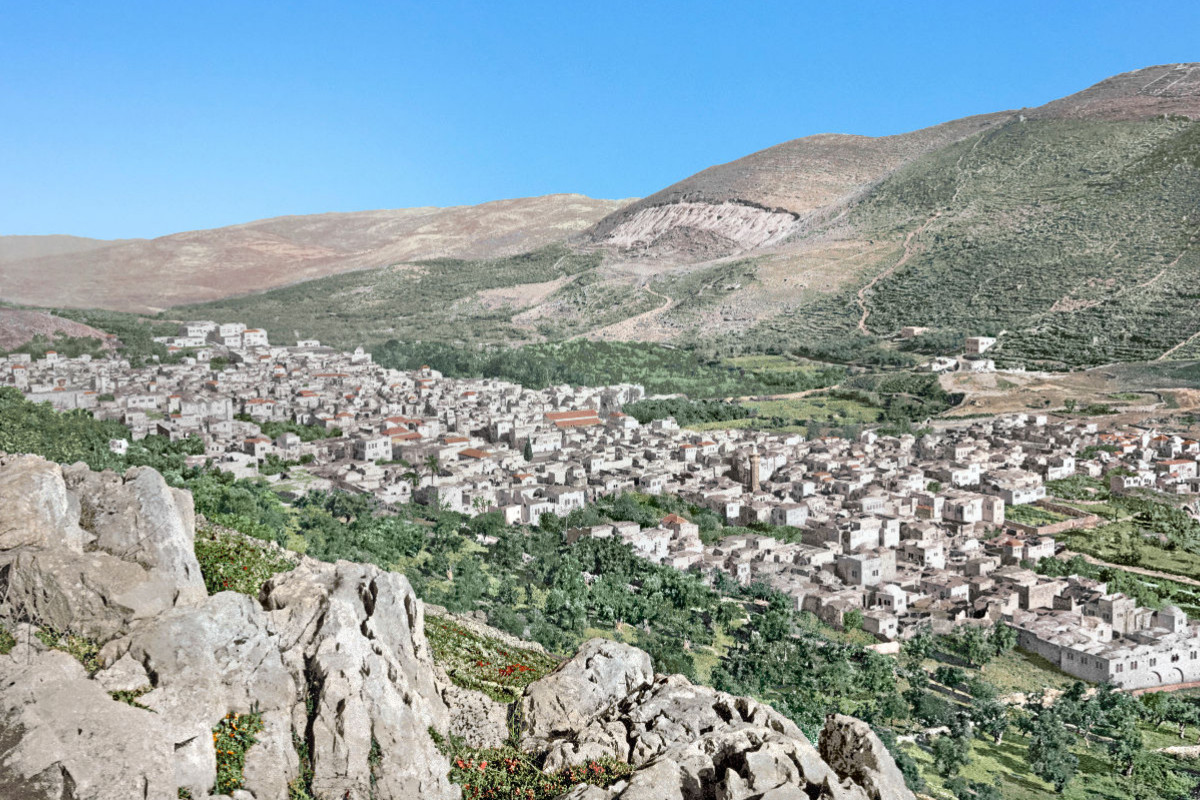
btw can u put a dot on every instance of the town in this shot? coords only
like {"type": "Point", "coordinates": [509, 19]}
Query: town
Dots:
{"type": "Point", "coordinates": [905, 532]}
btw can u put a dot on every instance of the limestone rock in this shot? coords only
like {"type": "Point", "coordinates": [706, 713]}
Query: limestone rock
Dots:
{"type": "Point", "coordinates": [853, 750]}
{"type": "Point", "coordinates": [35, 508]}
{"type": "Point", "coordinates": [127, 675]}
{"type": "Point", "coordinates": [61, 735]}
{"type": "Point", "coordinates": [140, 519]}
{"type": "Point", "coordinates": [690, 742]}
{"type": "Point", "coordinates": [355, 635]}
{"type": "Point", "coordinates": [209, 661]}
{"type": "Point", "coordinates": [599, 675]}
{"type": "Point", "coordinates": [94, 594]}
{"type": "Point", "coordinates": [477, 718]}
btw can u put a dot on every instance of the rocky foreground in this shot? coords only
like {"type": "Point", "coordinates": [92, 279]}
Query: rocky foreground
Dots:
{"type": "Point", "coordinates": [334, 658]}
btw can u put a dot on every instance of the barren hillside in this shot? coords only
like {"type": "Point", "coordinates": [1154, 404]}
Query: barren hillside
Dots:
{"type": "Point", "coordinates": [204, 265]}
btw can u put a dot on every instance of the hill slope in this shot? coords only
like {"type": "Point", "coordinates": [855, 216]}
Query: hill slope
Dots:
{"type": "Point", "coordinates": [191, 267]}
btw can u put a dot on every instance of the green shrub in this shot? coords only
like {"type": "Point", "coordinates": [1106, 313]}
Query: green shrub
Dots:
{"type": "Point", "coordinates": [486, 665]}
{"type": "Point", "coordinates": [232, 563]}
{"type": "Point", "coordinates": [130, 697]}
{"type": "Point", "coordinates": [7, 641]}
{"type": "Point", "coordinates": [507, 773]}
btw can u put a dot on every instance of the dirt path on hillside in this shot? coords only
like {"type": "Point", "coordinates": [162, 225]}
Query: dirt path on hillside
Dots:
{"type": "Point", "coordinates": [629, 328]}
{"type": "Point", "coordinates": [861, 296]}
{"type": "Point", "coordinates": [1149, 573]}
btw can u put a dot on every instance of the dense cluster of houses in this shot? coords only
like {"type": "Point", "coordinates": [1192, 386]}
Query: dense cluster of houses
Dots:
{"type": "Point", "coordinates": [903, 532]}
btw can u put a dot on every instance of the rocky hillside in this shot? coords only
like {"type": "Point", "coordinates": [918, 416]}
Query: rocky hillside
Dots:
{"type": "Point", "coordinates": [764, 197]}
{"type": "Point", "coordinates": [121, 676]}
{"type": "Point", "coordinates": [144, 275]}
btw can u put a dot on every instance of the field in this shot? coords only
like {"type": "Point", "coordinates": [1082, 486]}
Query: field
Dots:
{"type": "Point", "coordinates": [1032, 515]}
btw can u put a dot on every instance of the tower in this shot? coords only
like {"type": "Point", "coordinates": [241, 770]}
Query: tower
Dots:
{"type": "Point", "coordinates": [754, 485]}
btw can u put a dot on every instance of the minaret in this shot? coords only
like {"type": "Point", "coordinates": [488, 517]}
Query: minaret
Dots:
{"type": "Point", "coordinates": [754, 472]}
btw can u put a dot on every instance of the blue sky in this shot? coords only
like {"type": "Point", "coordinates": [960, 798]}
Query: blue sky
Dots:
{"type": "Point", "coordinates": [141, 119]}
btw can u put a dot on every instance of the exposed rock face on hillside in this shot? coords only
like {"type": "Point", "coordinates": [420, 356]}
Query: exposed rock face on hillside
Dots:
{"type": "Point", "coordinates": [334, 657]}
{"type": "Point", "coordinates": [782, 183]}
{"type": "Point", "coordinates": [694, 230]}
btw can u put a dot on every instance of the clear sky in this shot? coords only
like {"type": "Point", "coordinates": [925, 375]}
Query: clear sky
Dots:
{"type": "Point", "coordinates": [124, 119]}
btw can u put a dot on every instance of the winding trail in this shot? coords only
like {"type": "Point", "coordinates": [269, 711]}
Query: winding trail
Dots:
{"type": "Point", "coordinates": [909, 250]}
{"type": "Point", "coordinates": [625, 328]}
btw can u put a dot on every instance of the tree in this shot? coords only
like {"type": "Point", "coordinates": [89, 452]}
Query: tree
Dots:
{"type": "Point", "coordinates": [949, 676]}
{"type": "Point", "coordinates": [962, 789]}
{"type": "Point", "coordinates": [1003, 638]}
{"type": "Point", "coordinates": [1125, 746]}
{"type": "Point", "coordinates": [950, 754]}
{"type": "Point", "coordinates": [1050, 753]}
{"type": "Point", "coordinates": [527, 452]}
{"type": "Point", "coordinates": [852, 620]}
{"type": "Point", "coordinates": [990, 717]}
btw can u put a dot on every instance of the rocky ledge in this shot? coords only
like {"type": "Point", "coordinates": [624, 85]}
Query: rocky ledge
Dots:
{"type": "Point", "coordinates": [331, 660]}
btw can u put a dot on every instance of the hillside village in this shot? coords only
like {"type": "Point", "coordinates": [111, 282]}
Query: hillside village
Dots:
{"type": "Point", "coordinates": [903, 532]}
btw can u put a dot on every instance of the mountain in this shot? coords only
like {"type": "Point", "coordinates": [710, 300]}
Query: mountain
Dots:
{"type": "Point", "coordinates": [764, 197]}
{"type": "Point", "coordinates": [147, 275]}
{"type": "Point", "coordinates": [324, 679]}
{"type": "Point", "coordinates": [1066, 229]}
{"type": "Point", "coordinates": [21, 248]}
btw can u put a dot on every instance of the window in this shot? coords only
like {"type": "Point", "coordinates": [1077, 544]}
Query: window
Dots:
{"type": "Point", "coordinates": [1133, 665]}
{"type": "Point", "coordinates": [1174, 657]}
{"type": "Point", "coordinates": [1120, 668]}
{"type": "Point", "coordinates": [1154, 662]}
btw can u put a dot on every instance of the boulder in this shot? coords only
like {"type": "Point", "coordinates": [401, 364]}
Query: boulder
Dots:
{"type": "Point", "coordinates": [855, 753]}
{"type": "Point", "coordinates": [566, 700]}
{"type": "Point", "coordinates": [138, 518]}
{"type": "Point", "coordinates": [36, 510]}
{"type": "Point", "coordinates": [208, 661]}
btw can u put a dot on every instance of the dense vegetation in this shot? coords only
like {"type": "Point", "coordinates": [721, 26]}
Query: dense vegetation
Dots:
{"type": "Point", "coordinates": [66, 346]}
{"type": "Point", "coordinates": [662, 370]}
{"type": "Point", "coordinates": [687, 412]}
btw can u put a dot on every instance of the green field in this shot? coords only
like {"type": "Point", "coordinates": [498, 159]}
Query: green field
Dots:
{"type": "Point", "coordinates": [1033, 515]}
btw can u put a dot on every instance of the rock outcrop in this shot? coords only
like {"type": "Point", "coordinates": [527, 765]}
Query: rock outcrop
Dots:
{"type": "Point", "coordinates": [690, 742]}
{"type": "Point", "coordinates": [333, 656]}
{"type": "Point", "coordinates": [333, 659]}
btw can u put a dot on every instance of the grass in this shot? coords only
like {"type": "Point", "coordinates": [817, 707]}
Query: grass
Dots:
{"type": "Point", "coordinates": [1015, 671]}
{"type": "Point", "coordinates": [1103, 543]}
{"type": "Point", "coordinates": [434, 300]}
{"type": "Point", "coordinates": [799, 415]}
{"type": "Point", "coordinates": [484, 664]}
{"type": "Point", "coordinates": [1033, 515]}
{"type": "Point", "coordinates": [1009, 763]}
{"type": "Point", "coordinates": [86, 651]}
{"type": "Point", "coordinates": [7, 641]}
